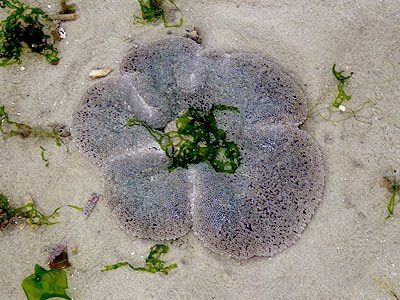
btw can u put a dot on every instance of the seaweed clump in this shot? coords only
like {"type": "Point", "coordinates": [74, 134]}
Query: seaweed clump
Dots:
{"type": "Point", "coordinates": [392, 182]}
{"type": "Point", "coordinates": [336, 111]}
{"type": "Point", "coordinates": [153, 262]}
{"type": "Point", "coordinates": [25, 27]}
{"type": "Point", "coordinates": [152, 11]}
{"type": "Point", "coordinates": [197, 139]}
{"type": "Point", "coordinates": [11, 128]}
{"type": "Point", "coordinates": [28, 212]}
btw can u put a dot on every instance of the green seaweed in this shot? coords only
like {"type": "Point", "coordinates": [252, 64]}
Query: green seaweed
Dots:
{"type": "Point", "coordinates": [153, 263]}
{"type": "Point", "coordinates": [392, 182]}
{"type": "Point", "coordinates": [42, 151]}
{"type": "Point", "coordinates": [383, 284]}
{"type": "Point", "coordinates": [78, 208]}
{"type": "Point", "coordinates": [331, 114]}
{"type": "Point", "coordinates": [11, 128]}
{"type": "Point", "coordinates": [25, 28]}
{"type": "Point", "coordinates": [14, 128]}
{"type": "Point", "coordinates": [27, 212]}
{"type": "Point", "coordinates": [337, 111]}
{"type": "Point", "coordinates": [44, 284]}
{"type": "Point", "coordinates": [341, 96]}
{"type": "Point", "coordinates": [152, 11]}
{"type": "Point", "coordinates": [197, 139]}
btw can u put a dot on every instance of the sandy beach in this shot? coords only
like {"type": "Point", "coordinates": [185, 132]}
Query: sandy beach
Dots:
{"type": "Point", "coordinates": [346, 245]}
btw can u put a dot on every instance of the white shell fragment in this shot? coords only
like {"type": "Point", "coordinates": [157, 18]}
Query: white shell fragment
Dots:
{"type": "Point", "coordinates": [261, 209]}
{"type": "Point", "coordinates": [94, 74]}
{"type": "Point", "coordinates": [62, 33]}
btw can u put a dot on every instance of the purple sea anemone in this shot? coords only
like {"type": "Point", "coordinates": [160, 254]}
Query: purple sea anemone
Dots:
{"type": "Point", "coordinates": [262, 207]}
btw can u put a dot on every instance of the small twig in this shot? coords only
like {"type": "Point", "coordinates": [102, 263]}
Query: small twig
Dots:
{"type": "Point", "coordinates": [65, 17]}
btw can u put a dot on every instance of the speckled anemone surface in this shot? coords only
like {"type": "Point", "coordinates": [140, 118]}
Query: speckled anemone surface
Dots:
{"type": "Point", "coordinates": [259, 210]}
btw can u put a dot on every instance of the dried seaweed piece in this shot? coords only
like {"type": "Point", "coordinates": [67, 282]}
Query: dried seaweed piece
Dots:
{"type": "Point", "coordinates": [152, 11]}
{"type": "Point", "coordinates": [11, 128]}
{"type": "Point", "coordinates": [153, 263]}
{"type": "Point", "coordinates": [67, 8]}
{"type": "Point", "coordinates": [60, 261]}
{"type": "Point", "coordinates": [392, 182]}
{"type": "Point", "coordinates": [42, 151]}
{"type": "Point", "coordinates": [386, 286]}
{"type": "Point", "coordinates": [65, 17]}
{"type": "Point", "coordinates": [7, 213]}
{"type": "Point", "coordinates": [197, 139]}
{"type": "Point", "coordinates": [44, 284]}
{"type": "Point", "coordinates": [25, 27]}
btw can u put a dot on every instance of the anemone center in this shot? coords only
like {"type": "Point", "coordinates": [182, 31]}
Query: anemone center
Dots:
{"type": "Point", "coordinates": [196, 138]}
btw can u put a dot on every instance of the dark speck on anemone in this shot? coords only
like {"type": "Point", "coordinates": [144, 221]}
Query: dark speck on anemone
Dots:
{"type": "Point", "coordinates": [258, 210]}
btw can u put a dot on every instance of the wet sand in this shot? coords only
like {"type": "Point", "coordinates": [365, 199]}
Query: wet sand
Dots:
{"type": "Point", "coordinates": [348, 242]}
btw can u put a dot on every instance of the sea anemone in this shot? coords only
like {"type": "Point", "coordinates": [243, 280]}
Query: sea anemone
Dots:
{"type": "Point", "coordinates": [262, 207]}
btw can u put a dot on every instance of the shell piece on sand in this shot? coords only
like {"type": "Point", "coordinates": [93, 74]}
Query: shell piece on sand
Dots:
{"type": "Point", "coordinates": [146, 199]}
{"type": "Point", "coordinates": [94, 74]}
{"type": "Point", "coordinates": [258, 211]}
